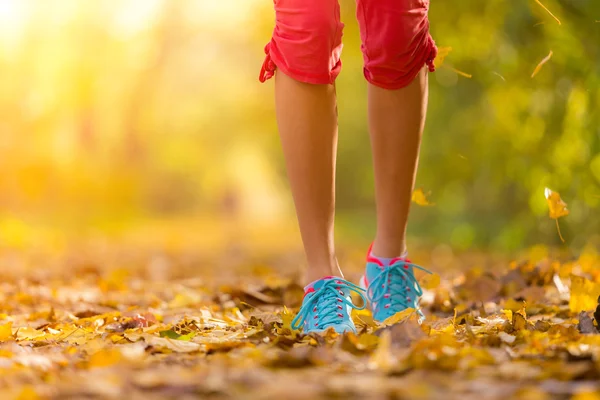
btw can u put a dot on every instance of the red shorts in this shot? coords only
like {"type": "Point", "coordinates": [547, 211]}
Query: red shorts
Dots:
{"type": "Point", "coordinates": [307, 41]}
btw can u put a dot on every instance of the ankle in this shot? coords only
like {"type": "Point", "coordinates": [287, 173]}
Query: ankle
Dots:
{"type": "Point", "coordinates": [389, 249]}
{"type": "Point", "coordinates": [321, 270]}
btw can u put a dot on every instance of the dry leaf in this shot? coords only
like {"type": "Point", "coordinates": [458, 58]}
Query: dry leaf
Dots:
{"type": "Point", "coordinates": [383, 359]}
{"type": "Point", "coordinates": [430, 281]}
{"type": "Point", "coordinates": [557, 207]}
{"type": "Point", "coordinates": [104, 358]}
{"type": "Point", "coordinates": [399, 317]}
{"type": "Point", "coordinates": [441, 56]}
{"type": "Point", "coordinates": [6, 332]}
{"type": "Point", "coordinates": [519, 320]}
{"type": "Point", "coordinates": [28, 393]}
{"type": "Point", "coordinates": [421, 198]}
{"type": "Point", "coordinates": [584, 294]}
{"type": "Point", "coordinates": [586, 324]}
{"type": "Point", "coordinates": [178, 346]}
{"type": "Point", "coordinates": [506, 338]}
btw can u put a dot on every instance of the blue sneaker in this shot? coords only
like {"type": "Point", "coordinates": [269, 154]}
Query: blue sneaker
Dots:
{"type": "Point", "coordinates": [327, 304]}
{"type": "Point", "coordinates": [391, 288]}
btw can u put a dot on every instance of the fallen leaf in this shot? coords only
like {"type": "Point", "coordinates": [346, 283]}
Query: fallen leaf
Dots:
{"type": "Point", "coordinates": [6, 332]}
{"type": "Point", "coordinates": [383, 359]}
{"type": "Point", "coordinates": [407, 332]}
{"type": "Point", "coordinates": [104, 358]}
{"type": "Point", "coordinates": [28, 333]}
{"type": "Point", "coordinates": [178, 346]}
{"type": "Point", "coordinates": [176, 336]}
{"type": "Point", "coordinates": [584, 294]}
{"type": "Point", "coordinates": [28, 393]}
{"type": "Point", "coordinates": [399, 317]}
{"type": "Point", "coordinates": [586, 324]}
{"type": "Point", "coordinates": [519, 320]}
{"type": "Point", "coordinates": [506, 338]}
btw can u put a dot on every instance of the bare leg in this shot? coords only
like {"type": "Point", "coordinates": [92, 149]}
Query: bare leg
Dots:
{"type": "Point", "coordinates": [307, 120]}
{"type": "Point", "coordinates": [396, 121]}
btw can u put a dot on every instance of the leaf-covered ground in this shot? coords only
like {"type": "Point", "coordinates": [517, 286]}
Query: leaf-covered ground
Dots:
{"type": "Point", "coordinates": [127, 328]}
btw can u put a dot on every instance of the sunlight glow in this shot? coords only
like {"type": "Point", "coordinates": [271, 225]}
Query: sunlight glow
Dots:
{"type": "Point", "coordinates": [135, 16]}
{"type": "Point", "coordinates": [13, 17]}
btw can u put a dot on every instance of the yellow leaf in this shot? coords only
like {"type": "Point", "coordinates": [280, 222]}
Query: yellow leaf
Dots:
{"type": "Point", "coordinates": [558, 208]}
{"type": "Point", "coordinates": [28, 393]}
{"type": "Point", "coordinates": [584, 294]}
{"type": "Point", "coordinates": [441, 56]}
{"type": "Point", "coordinates": [286, 319]}
{"type": "Point", "coordinates": [382, 359]}
{"type": "Point", "coordinates": [178, 346]}
{"type": "Point", "coordinates": [105, 358]}
{"type": "Point", "coordinates": [28, 333]}
{"type": "Point", "coordinates": [6, 332]}
{"type": "Point", "coordinates": [367, 341]}
{"type": "Point", "coordinates": [519, 320]}
{"type": "Point", "coordinates": [400, 316]}
{"type": "Point", "coordinates": [586, 395]}
{"type": "Point", "coordinates": [430, 281]}
{"type": "Point", "coordinates": [421, 198]}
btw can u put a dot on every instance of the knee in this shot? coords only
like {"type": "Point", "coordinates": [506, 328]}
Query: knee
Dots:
{"type": "Point", "coordinates": [396, 55]}
{"type": "Point", "coordinates": [307, 40]}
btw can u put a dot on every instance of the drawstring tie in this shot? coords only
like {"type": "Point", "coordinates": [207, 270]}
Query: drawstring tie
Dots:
{"type": "Point", "coordinates": [268, 68]}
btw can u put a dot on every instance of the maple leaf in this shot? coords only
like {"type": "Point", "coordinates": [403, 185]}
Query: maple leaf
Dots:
{"type": "Point", "coordinates": [557, 208]}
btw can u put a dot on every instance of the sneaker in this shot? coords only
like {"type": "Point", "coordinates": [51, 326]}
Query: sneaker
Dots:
{"type": "Point", "coordinates": [391, 288]}
{"type": "Point", "coordinates": [327, 304]}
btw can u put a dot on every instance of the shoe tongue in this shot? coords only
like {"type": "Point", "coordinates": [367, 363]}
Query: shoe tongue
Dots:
{"type": "Point", "coordinates": [318, 284]}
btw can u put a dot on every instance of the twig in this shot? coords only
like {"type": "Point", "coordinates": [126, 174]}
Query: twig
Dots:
{"type": "Point", "coordinates": [539, 66]}
{"type": "Point", "coordinates": [549, 12]}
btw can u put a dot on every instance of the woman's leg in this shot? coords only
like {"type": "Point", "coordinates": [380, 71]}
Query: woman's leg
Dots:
{"type": "Point", "coordinates": [307, 119]}
{"type": "Point", "coordinates": [396, 121]}
{"type": "Point", "coordinates": [396, 46]}
{"type": "Point", "coordinates": [305, 51]}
